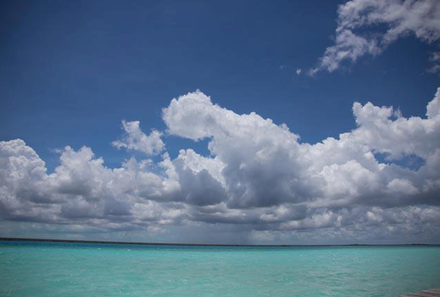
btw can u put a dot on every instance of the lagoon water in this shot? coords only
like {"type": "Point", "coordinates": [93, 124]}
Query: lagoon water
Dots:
{"type": "Point", "coordinates": [66, 269]}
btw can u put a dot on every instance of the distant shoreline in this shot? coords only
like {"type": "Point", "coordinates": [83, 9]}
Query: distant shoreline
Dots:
{"type": "Point", "coordinates": [9, 239]}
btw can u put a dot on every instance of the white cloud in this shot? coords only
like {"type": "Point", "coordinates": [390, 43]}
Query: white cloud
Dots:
{"type": "Point", "coordinates": [254, 151]}
{"type": "Point", "coordinates": [370, 26]}
{"type": "Point", "coordinates": [258, 178]}
{"type": "Point", "coordinates": [137, 140]}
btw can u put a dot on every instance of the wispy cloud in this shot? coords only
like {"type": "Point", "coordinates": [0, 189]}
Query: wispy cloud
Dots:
{"type": "Point", "coordinates": [370, 26]}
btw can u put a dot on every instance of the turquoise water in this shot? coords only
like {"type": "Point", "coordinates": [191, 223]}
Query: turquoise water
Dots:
{"type": "Point", "coordinates": [54, 269]}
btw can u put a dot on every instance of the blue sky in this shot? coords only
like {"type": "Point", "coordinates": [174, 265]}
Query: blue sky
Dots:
{"type": "Point", "coordinates": [72, 71]}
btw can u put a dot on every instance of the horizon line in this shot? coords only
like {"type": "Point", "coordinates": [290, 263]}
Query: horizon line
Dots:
{"type": "Point", "coordinates": [9, 239]}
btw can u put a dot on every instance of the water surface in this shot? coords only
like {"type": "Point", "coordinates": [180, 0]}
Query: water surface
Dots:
{"type": "Point", "coordinates": [58, 269]}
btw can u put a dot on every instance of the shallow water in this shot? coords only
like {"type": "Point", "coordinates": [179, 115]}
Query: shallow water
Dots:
{"type": "Point", "coordinates": [58, 269]}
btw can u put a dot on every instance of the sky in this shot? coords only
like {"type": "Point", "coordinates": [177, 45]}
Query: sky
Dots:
{"type": "Point", "coordinates": [233, 122]}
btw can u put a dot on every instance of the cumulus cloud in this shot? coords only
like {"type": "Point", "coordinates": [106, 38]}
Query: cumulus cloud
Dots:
{"type": "Point", "coordinates": [370, 26]}
{"type": "Point", "coordinates": [135, 139]}
{"type": "Point", "coordinates": [258, 177]}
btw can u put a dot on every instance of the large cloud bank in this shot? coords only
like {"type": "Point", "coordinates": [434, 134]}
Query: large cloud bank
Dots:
{"type": "Point", "coordinates": [370, 26]}
{"type": "Point", "coordinates": [259, 176]}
